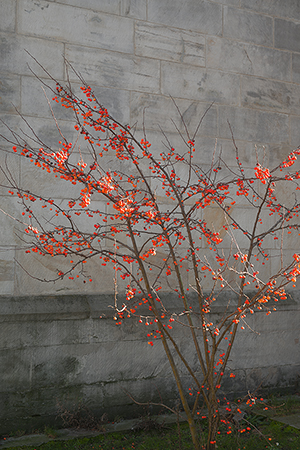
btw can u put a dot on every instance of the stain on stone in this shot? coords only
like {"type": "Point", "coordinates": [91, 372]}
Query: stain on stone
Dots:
{"type": "Point", "coordinates": [253, 94]}
{"type": "Point", "coordinates": [6, 47]}
{"type": "Point", "coordinates": [6, 267]}
{"type": "Point", "coordinates": [56, 372]}
{"type": "Point", "coordinates": [203, 79]}
{"type": "Point", "coordinates": [38, 4]}
{"type": "Point", "coordinates": [96, 19]}
{"type": "Point", "coordinates": [189, 113]}
{"type": "Point", "coordinates": [69, 364]}
{"type": "Point", "coordinates": [182, 55]}
{"type": "Point", "coordinates": [127, 8]}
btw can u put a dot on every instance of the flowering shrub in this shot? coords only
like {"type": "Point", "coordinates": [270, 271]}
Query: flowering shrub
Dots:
{"type": "Point", "coordinates": [156, 223]}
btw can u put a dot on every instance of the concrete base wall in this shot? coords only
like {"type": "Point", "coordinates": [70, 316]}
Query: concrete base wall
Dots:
{"type": "Point", "coordinates": [58, 351]}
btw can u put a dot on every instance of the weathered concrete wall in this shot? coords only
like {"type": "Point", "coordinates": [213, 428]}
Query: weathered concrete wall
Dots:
{"type": "Point", "coordinates": [243, 55]}
{"type": "Point", "coordinates": [58, 351]}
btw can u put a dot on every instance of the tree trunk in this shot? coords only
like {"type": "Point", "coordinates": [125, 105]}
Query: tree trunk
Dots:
{"type": "Point", "coordinates": [213, 425]}
{"type": "Point", "coordinates": [194, 433]}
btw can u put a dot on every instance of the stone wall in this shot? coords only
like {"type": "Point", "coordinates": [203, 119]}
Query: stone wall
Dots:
{"type": "Point", "coordinates": [242, 55]}
{"type": "Point", "coordinates": [57, 351]}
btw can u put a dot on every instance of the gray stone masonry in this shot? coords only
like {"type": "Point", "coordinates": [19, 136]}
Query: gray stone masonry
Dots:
{"type": "Point", "coordinates": [57, 350]}
{"type": "Point", "coordinates": [241, 55]}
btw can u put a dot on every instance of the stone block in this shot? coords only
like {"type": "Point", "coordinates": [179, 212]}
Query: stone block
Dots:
{"type": "Point", "coordinates": [9, 93]}
{"type": "Point", "coordinates": [267, 94]}
{"type": "Point", "coordinates": [8, 15]}
{"type": "Point", "coordinates": [56, 365]}
{"type": "Point", "coordinates": [45, 184]}
{"type": "Point", "coordinates": [6, 264]}
{"type": "Point", "coordinates": [132, 330]}
{"type": "Point", "coordinates": [246, 151]}
{"type": "Point", "coordinates": [282, 321]}
{"type": "Point", "coordinates": [276, 153]}
{"type": "Point", "coordinates": [256, 126]}
{"type": "Point", "coordinates": [279, 258]}
{"type": "Point", "coordinates": [228, 2]}
{"type": "Point", "coordinates": [91, 363]}
{"type": "Point", "coordinates": [273, 353]}
{"type": "Point", "coordinates": [15, 370]}
{"type": "Point", "coordinates": [171, 44]}
{"type": "Point", "coordinates": [76, 25]}
{"type": "Point", "coordinates": [274, 241]}
{"type": "Point", "coordinates": [295, 131]}
{"type": "Point", "coordinates": [287, 35]}
{"type": "Point", "coordinates": [7, 270]}
{"type": "Point", "coordinates": [46, 333]}
{"type": "Point", "coordinates": [244, 216]}
{"type": "Point", "coordinates": [9, 123]}
{"type": "Point", "coordinates": [9, 172]}
{"type": "Point", "coordinates": [7, 287]}
{"type": "Point", "coordinates": [196, 15]}
{"type": "Point", "coordinates": [42, 269]}
{"type": "Point", "coordinates": [114, 70]}
{"type": "Point", "coordinates": [10, 221]}
{"type": "Point", "coordinates": [215, 220]}
{"type": "Point", "coordinates": [43, 308]}
{"type": "Point", "coordinates": [15, 59]}
{"type": "Point", "coordinates": [35, 96]}
{"type": "Point", "coordinates": [112, 394]}
{"type": "Point", "coordinates": [115, 100]}
{"type": "Point", "coordinates": [25, 411]}
{"type": "Point", "coordinates": [248, 59]}
{"type": "Point", "coordinates": [162, 141]}
{"type": "Point", "coordinates": [205, 148]}
{"type": "Point", "coordinates": [111, 397]}
{"type": "Point", "coordinates": [107, 6]}
{"type": "Point", "coordinates": [47, 132]}
{"type": "Point", "coordinates": [296, 68]}
{"type": "Point", "coordinates": [154, 111]}
{"type": "Point", "coordinates": [282, 378]}
{"type": "Point", "coordinates": [134, 8]}
{"type": "Point", "coordinates": [167, 282]}
{"type": "Point", "coordinates": [199, 84]}
{"type": "Point", "coordinates": [277, 8]}
{"type": "Point", "coordinates": [247, 26]}
{"type": "Point", "coordinates": [104, 329]}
